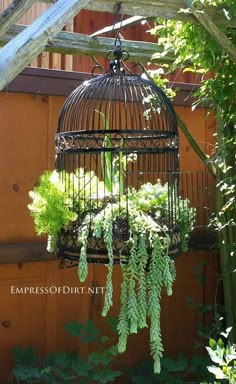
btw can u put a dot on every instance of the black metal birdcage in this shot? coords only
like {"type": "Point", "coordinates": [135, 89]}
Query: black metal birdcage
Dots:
{"type": "Point", "coordinates": [116, 132]}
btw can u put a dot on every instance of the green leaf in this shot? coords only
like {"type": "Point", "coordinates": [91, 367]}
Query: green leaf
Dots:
{"type": "Point", "coordinates": [74, 328]}
{"type": "Point", "coordinates": [90, 332]}
{"type": "Point", "coordinates": [26, 373]}
{"type": "Point", "coordinates": [213, 343]}
{"type": "Point", "coordinates": [113, 322]}
{"type": "Point", "coordinates": [62, 360]}
{"type": "Point", "coordinates": [106, 157]}
{"type": "Point", "coordinates": [80, 367]}
{"type": "Point", "coordinates": [25, 355]}
{"type": "Point", "coordinates": [217, 372]}
{"type": "Point", "coordinates": [215, 357]}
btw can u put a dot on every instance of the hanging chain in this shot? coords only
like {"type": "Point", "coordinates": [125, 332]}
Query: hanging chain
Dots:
{"type": "Point", "coordinates": [117, 9]}
{"type": "Point", "coordinates": [116, 56]}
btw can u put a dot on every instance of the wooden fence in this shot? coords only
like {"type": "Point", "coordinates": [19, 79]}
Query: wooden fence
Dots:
{"type": "Point", "coordinates": [28, 125]}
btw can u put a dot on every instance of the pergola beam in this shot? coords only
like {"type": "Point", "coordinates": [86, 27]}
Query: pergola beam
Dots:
{"type": "Point", "coordinates": [21, 50]}
{"type": "Point", "coordinates": [78, 44]}
{"type": "Point", "coordinates": [167, 9]}
{"type": "Point", "coordinates": [13, 13]}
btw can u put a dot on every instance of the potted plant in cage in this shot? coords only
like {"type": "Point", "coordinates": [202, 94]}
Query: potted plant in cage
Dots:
{"type": "Point", "coordinates": [103, 211]}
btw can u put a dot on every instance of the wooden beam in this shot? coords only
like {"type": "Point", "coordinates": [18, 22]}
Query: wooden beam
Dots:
{"type": "Point", "coordinates": [23, 252]}
{"type": "Point", "coordinates": [167, 9]}
{"type": "Point", "coordinates": [28, 252]}
{"type": "Point", "coordinates": [53, 82]}
{"type": "Point", "coordinates": [82, 45]}
{"type": "Point", "coordinates": [21, 50]}
{"type": "Point", "coordinates": [206, 21]}
{"type": "Point", "coordinates": [13, 13]}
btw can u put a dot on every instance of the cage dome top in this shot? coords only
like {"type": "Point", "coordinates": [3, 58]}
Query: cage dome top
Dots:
{"type": "Point", "coordinates": [126, 105]}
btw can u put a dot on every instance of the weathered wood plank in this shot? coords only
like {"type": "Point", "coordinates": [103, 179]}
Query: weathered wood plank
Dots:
{"type": "Point", "coordinates": [167, 9]}
{"type": "Point", "coordinates": [13, 13]}
{"type": "Point", "coordinates": [82, 45]}
{"type": "Point", "coordinates": [29, 43]}
{"type": "Point", "coordinates": [38, 81]}
{"type": "Point", "coordinates": [22, 252]}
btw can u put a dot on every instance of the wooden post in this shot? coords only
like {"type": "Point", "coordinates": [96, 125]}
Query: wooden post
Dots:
{"type": "Point", "coordinates": [13, 13]}
{"type": "Point", "coordinates": [20, 51]}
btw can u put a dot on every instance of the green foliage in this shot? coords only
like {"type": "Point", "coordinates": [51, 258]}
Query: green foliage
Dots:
{"type": "Point", "coordinates": [62, 367]}
{"type": "Point", "coordinates": [84, 234]}
{"type": "Point", "coordinates": [159, 77]}
{"type": "Point", "coordinates": [113, 171]}
{"type": "Point", "coordinates": [155, 199]}
{"type": "Point", "coordinates": [180, 370]}
{"type": "Point", "coordinates": [51, 207]}
{"type": "Point", "coordinates": [108, 170]}
{"type": "Point", "coordinates": [197, 51]}
{"type": "Point", "coordinates": [212, 328]}
{"type": "Point", "coordinates": [223, 355]}
{"type": "Point", "coordinates": [148, 268]}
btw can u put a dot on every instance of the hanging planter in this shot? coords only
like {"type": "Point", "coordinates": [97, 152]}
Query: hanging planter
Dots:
{"type": "Point", "coordinates": [114, 196]}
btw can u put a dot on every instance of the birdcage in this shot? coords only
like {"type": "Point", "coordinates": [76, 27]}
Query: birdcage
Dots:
{"type": "Point", "coordinates": [117, 134]}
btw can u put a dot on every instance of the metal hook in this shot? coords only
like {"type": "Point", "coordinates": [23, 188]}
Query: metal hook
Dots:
{"type": "Point", "coordinates": [117, 7]}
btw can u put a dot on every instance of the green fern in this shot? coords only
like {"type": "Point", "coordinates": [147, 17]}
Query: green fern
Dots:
{"type": "Point", "coordinates": [51, 207]}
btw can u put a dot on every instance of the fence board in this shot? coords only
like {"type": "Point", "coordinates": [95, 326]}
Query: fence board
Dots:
{"type": "Point", "coordinates": [23, 158]}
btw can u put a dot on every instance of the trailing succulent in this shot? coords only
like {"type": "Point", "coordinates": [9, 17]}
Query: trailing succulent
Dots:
{"type": "Point", "coordinates": [148, 267]}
